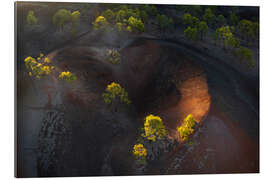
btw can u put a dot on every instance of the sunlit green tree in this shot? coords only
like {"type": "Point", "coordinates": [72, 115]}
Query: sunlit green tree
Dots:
{"type": "Point", "coordinates": [114, 92]}
{"type": "Point", "coordinates": [154, 128]}
{"type": "Point", "coordinates": [101, 23]}
{"type": "Point", "coordinates": [136, 24]}
{"type": "Point", "coordinates": [187, 127]}
{"type": "Point", "coordinates": [225, 35]}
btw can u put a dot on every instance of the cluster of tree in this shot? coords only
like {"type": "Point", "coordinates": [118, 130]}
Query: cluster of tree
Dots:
{"type": "Point", "coordinates": [113, 92]}
{"type": "Point", "coordinates": [38, 67]}
{"type": "Point", "coordinates": [245, 56]}
{"type": "Point", "coordinates": [225, 36]}
{"type": "Point", "coordinates": [195, 27]}
{"type": "Point", "coordinates": [209, 17]}
{"type": "Point", "coordinates": [63, 16]}
{"type": "Point", "coordinates": [113, 56]}
{"type": "Point", "coordinates": [153, 130]}
{"type": "Point", "coordinates": [194, 10]}
{"type": "Point", "coordinates": [31, 18]}
{"type": "Point", "coordinates": [248, 30]}
{"type": "Point", "coordinates": [187, 127]}
{"type": "Point", "coordinates": [122, 18]}
{"type": "Point", "coordinates": [140, 152]}
{"type": "Point", "coordinates": [41, 66]}
{"type": "Point", "coordinates": [164, 22]}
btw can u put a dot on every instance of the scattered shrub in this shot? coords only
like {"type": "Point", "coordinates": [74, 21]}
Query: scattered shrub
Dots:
{"type": "Point", "coordinates": [113, 56]}
{"type": "Point", "coordinates": [67, 76]}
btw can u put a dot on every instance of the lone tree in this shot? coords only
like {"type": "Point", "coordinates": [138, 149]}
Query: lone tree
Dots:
{"type": "Point", "coordinates": [115, 93]}
{"type": "Point", "coordinates": [187, 127]}
{"type": "Point", "coordinates": [100, 23]}
{"type": "Point", "coordinates": [203, 29]}
{"type": "Point", "coordinates": [61, 17]}
{"type": "Point", "coordinates": [189, 20]}
{"type": "Point", "coordinates": [135, 24]}
{"type": "Point", "coordinates": [75, 18]}
{"type": "Point", "coordinates": [113, 56]}
{"type": "Point", "coordinates": [221, 20]}
{"type": "Point", "coordinates": [154, 128]}
{"type": "Point", "coordinates": [233, 19]}
{"type": "Point", "coordinates": [209, 17]}
{"type": "Point", "coordinates": [140, 152]}
{"type": "Point", "coordinates": [225, 35]}
{"type": "Point", "coordinates": [109, 15]}
{"type": "Point", "coordinates": [31, 18]}
{"type": "Point", "coordinates": [121, 15]}
{"type": "Point", "coordinates": [191, 33]}
{"type": "Point", "coordinates": [164, 22]}
{"type": "Point", "coordinates": [247, 29]}
{"type": "Point", "coordinates": [246, 56]}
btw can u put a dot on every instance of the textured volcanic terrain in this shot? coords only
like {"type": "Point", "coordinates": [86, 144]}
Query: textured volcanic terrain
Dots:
{"type": "Point", "coordinates": [71, 131]}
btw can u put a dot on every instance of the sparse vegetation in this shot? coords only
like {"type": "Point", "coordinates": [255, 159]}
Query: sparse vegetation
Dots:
{"type": "Point", "coordinates": [113, 56]}
{"type": "Point", "coordinates": [67, 76]}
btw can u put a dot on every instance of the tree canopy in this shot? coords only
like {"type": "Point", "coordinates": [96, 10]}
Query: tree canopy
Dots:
{"type": "Point", "coordinates": [136, 24]}
{"type": "Point", "coordinates": [225, 35]}
{"type": "Point", "coordinates": [203, 29]}
{"type": "Point", "coordinates": [209, 17]}
{"type": "Point", "coordinates": [61, 17]}
{"type": "Point", "coordinates": [100, 23]}
{"type": "Point", "coordinates": [191, 33]}
{"type": "Point", "coordinates": [113, 91]}
{"type": "Point", "coordinates": [154, 128]}
{"type": "Point", "coordinates": [246, 55]}
{"type": "Point", "coordinates": [75, 18]}
{"type": "Point", "coordinates": [187, 127]}
{"type": "Point", "coordinates": [38, 67]}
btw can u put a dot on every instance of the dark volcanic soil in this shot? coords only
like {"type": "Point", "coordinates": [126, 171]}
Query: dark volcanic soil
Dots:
{"type": "Point", "coordinates": [160, 79]}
